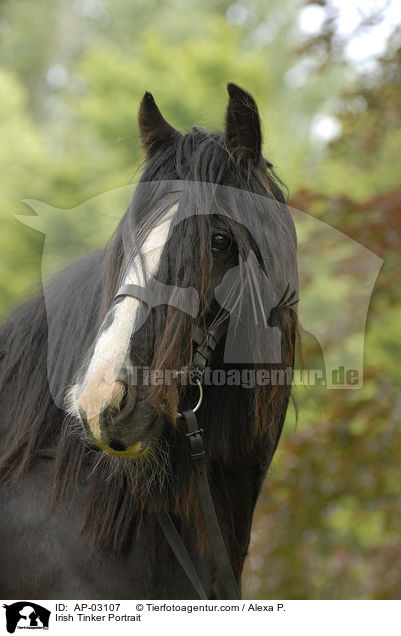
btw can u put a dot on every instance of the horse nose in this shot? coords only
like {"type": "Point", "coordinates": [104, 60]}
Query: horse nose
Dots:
{"type": "Point", "coordinates": [113, 418]}
{"type": "Point", "coordinates": [115, 434]}
{"type": "Point", "coordinates": [105, 406]}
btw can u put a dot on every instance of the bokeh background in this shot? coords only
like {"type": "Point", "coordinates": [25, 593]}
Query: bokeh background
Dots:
{"type": "Point", "coordinates": [327, 78]}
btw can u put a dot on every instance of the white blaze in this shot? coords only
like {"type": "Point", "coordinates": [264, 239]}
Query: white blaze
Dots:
{"type": "Point", "coordinates": [111, 348]}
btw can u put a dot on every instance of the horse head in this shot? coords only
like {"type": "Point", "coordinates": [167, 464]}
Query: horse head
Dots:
{"type": "Point", "coordinates": [200, 231]}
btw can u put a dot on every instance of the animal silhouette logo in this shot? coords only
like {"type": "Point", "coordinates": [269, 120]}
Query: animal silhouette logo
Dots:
{"type": "Point", "coordinates": [26, 615]}
{"type": "Point", "coordinates": [336, 320]}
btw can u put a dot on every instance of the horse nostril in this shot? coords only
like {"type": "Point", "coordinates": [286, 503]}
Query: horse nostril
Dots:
{"type": "Point", "coordinates": [128, 400]}
{"type": "Point", "coordinates": [124, 397]}
{"type": "Point", "coordinates": [119, 399]}
{"type": "Point", "coordinates": [117, 445]}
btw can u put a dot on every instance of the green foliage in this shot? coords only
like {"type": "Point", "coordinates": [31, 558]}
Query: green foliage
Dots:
{"type": "Point", "coordinates": [22, 161]}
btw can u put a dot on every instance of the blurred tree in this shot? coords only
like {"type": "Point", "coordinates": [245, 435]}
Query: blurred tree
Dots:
{"type": "Point", "coordinates": [22, 161]}
{"type": "Point", "coordinates": [326, 525]}
{"type": "Point", "coordinates": [83, 67]}
{"type": "Point", "coordinates": [327, 521]}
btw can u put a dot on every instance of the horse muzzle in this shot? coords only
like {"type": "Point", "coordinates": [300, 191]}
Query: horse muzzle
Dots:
{"type": "Point", "coordinates": [118, 419]}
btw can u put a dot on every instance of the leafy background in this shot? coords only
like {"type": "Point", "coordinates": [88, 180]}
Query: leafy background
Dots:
{"type": "Point", "coordinates": [327, 78]}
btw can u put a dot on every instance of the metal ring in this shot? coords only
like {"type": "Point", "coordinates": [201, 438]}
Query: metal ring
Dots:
{"type": "Point", "coordinates": [197, 406]}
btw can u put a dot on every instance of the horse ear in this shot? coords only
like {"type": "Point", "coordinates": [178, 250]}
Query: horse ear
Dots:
{"type": "Point", "coordinates": [154, 129]}
{"type": "Point", "coordinates": [243, 124]}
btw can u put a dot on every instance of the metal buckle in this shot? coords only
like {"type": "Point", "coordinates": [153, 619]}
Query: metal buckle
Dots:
{"type": "Point", "coordinates": [196, 441]}
{"type": "Point", "coordinates": [198, 431]}
{"type": "Point", "coordinates": [197, 406]}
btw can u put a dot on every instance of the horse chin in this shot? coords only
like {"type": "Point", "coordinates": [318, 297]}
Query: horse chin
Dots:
{"type": "Point", "coordinates": [135, 450]}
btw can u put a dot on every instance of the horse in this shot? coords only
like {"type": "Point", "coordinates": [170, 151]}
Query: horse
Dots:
{"type": "Point", "coordinates": [95, 394]}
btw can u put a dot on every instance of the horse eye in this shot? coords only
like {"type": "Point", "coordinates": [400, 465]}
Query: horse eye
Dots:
{"type": "Point", "coordinates": [221, 241]}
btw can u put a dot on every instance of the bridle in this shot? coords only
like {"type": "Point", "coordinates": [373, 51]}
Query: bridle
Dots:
{"type": "Point", "coordinates": [204, 345]}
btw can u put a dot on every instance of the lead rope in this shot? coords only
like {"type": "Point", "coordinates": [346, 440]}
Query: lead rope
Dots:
{"type": "Point", "coordinates": [209, 512]}
{"type": "Point", "coordinates": [216, 540]}
{"type": "Point", "coordinates": [180, 551]}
